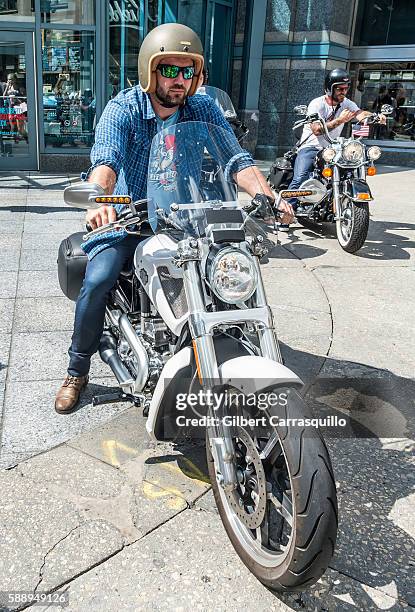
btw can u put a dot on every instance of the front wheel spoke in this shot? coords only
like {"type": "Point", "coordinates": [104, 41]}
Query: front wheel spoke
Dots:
{"type": "Point", "coordinates": [284, 508]}
{"type": "Point", "coordinates": [269, 447]}
{"type": "Point", "coordinates": [259, 535]}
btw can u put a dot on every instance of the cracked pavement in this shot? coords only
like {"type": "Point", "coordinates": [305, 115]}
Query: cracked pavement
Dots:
{"type": "Point", "coordinates": [88, 504]}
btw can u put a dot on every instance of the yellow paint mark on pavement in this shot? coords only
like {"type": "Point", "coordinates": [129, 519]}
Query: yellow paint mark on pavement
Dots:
{"type": "Point", "coordinates": [111, 447]}
{"type": "Point", "coordinates": [175, 500]}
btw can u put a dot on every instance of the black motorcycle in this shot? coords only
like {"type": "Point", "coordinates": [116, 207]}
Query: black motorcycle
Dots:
{"type": "Point", "coordinates": [337, 191]}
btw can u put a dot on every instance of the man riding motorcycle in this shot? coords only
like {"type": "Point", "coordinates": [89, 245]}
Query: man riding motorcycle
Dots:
{"type": "Point", "coordinates": [170, 64]}
{"type": "Point", "coordinates": [336, 110]}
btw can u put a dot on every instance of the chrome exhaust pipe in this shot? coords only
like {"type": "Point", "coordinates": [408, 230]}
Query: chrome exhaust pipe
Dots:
{"type": "Point", "coordinates": [109, 355]}
{"type": "Point", "coordinates": [140, 353]}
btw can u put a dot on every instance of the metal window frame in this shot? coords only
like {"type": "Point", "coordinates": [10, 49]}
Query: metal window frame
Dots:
{"type": "Point", "coordinates": [26, 162]}
{"type": "Point", "coordinates": [392, 144]}
{"type": "Point", "coordinates": [99, 67]}
{"type": "Point", "coordinates": [383, 53]}
{"type": "Point", "coordinates": [398, 144]}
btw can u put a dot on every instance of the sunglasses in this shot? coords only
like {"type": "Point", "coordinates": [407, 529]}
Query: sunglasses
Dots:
{"type": "Point", "coordinates": [172, 72]}
{"type": "Point", "coordinates": [345, 88]}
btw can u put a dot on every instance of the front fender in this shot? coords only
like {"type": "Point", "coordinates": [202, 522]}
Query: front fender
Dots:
{"type": "Point", "coordinates": [253, 374]}
{"type": "Point", "coordinates": [357, 190]}
{"type": "Point", "coordinates": [237, 368]}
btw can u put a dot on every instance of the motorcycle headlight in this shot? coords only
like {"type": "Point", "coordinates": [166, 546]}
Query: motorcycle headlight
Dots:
{"type": "Point", "coordinates": [374, 153]}
{"type": "Point", "coordinates": [329, 154]}
{"type": "Point", "coordinates": [232, 276]}
{"type": "Point", "coordinates": [353, 152]}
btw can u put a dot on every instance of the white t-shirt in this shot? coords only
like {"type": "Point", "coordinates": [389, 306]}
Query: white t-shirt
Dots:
{"type": "Point", "coordinates": [326, 111]}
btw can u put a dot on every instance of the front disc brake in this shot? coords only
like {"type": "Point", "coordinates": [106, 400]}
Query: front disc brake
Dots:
{"type": "Point", "coordinates": [251, 515]}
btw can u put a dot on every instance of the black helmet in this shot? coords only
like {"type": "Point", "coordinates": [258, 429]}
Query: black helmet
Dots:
{"type": "Point", "coordinates": [338, 76]}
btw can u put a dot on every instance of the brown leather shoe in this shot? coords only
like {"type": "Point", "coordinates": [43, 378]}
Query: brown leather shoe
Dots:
{"type": "Point", "coordinates": [68, 395]}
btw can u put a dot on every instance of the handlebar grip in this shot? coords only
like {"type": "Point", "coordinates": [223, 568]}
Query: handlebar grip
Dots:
{"type": "Point", "coordinates": [88, 227]}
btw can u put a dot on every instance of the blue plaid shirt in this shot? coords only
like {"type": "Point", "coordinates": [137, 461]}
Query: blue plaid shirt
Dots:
{"type": "Point", "coordinates": [123, 140]}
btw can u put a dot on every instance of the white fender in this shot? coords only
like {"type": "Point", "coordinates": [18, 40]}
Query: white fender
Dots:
{"type": "Point", "coordinates": [252, 373]}
{"type": "Point", "coordinates": [248, 374]}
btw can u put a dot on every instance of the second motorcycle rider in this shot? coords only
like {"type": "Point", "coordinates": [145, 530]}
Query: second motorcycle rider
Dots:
{"type": "Point", "coordinates": [170, 64]}
{"type": "Point", "coordinates": [336, 110]}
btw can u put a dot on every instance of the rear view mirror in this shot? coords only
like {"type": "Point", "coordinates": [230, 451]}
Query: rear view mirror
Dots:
{"type": "Point", "coordinates": [83, 195]}
{"type": "Point", "coordinates": [300, 110]}
{"type": "Point", "coordinates": [386, 109]}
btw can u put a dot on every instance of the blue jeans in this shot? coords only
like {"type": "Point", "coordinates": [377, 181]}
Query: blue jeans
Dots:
{"type": "Point", "coordinates": [302, 169]}
{"type": "Point", "coordinates": [100, 277]}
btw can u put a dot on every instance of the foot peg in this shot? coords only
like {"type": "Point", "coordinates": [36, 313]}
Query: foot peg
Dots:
{"type": "Point", "coordinates": [120, 396]}
{"type": "Point", "coordinates": [111, 398]}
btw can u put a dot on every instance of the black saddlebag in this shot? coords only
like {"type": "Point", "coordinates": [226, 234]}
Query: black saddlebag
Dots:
{"type": "Point", "coordinates": [71, 265]}
{"type": "Point", "coordinates": [280, 173]}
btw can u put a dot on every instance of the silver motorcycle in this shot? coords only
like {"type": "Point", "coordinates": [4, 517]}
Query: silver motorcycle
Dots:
{"type": "Point", "coordinates": [190, 336]}
{"type": "Point", "coordinates": [337, 191]}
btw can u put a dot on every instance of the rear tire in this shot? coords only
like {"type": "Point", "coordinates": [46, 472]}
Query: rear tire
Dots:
{"type": "Point", "coordinates": [307, 547]}
{"type": "Point", "coordinates": [352, 234]}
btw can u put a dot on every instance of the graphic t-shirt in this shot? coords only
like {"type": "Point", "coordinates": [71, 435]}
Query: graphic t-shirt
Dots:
{"type": "Point", "coordinates": [162, 124]}
{"type": "Point", "coordinates": [326, 111]}
{"type": "Point", "coordinates": [163, 168]}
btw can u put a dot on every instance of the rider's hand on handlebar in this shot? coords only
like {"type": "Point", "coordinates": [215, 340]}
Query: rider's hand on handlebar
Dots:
{"type": "Point", "coordinates": [382, 119]}
{"type": "Point", "coordinates": [286, 212]}
{"type": "Point", "coordinates": [346, 116]}
{"type": "Point", "coordinates": [100, 216]}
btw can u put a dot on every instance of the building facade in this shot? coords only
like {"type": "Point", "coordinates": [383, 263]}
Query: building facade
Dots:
{"type": "Point", "coordinates": [62, 60]}
{"type": "Point", "coordinates": [300, 41]}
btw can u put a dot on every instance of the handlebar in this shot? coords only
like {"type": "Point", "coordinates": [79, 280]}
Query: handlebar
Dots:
{"type": "Point", "coordinates": [315, 117]}
{"type": "Point", "coordinates": [129, 217]}
{"type": "Point", "coordinates": [373, 118]}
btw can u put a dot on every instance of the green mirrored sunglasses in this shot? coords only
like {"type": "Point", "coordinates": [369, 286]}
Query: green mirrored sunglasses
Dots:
{"type": "Point", "coordinates": [172, 72]}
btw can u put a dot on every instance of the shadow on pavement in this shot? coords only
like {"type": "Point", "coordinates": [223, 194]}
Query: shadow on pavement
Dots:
{"type": "Point", "coordinates": [23, 180]}
{"type": "Point", "coordinates": [384, 242]}
{"type": "Point", "coordinates": [91, 390]}
{"type": "Point", "coordinates": [392, 169]}
{"type": "Point", "coordinates": [40, 210]}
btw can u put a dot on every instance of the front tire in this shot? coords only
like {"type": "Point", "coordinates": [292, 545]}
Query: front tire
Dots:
{"type": "Point", "coordinates": [352, 231]}
{"type": "Point", "coordinates": [295, 542]}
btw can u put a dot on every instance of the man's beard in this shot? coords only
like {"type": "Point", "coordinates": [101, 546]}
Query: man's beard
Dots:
{"type": "Point", "coordinates": [170, 100]}
{"type": "Point", "coordinates": [338, 97]}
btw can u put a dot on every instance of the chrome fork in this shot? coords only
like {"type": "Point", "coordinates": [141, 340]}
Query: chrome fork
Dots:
{"type": "Point", "coordinates": [202, 324]}
{"type": "Point", "coordinates": [219, 436]}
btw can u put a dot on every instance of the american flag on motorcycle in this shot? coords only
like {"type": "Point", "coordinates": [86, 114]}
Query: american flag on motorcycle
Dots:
{"type": "Point", "coordinates": [360, 130]}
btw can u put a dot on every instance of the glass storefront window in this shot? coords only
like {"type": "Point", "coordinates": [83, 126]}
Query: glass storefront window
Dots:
{"type": "Point", "coordinates": [69, 104]}
{"type": "Point", "coordinates": [68, 11]}
{"type": "Point", "coordinates": [385, 22]}
{"type": "Point", "coordinates": [129, 22]}
{"type": "Point", "coordinates": [17, 10]}
{"type": "Point", "coordinates": [125, 36]}
{"type": "Point", "coordinates": [394, 84]}
{"type": "Point", "coordinates": [193, 14]}
{"type": "Point", "coordinates": [13, 100]}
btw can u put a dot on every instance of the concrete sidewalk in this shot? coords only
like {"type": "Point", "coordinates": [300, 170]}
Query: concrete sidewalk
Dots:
{"type": "Point", "coordinates": [90, 506]}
